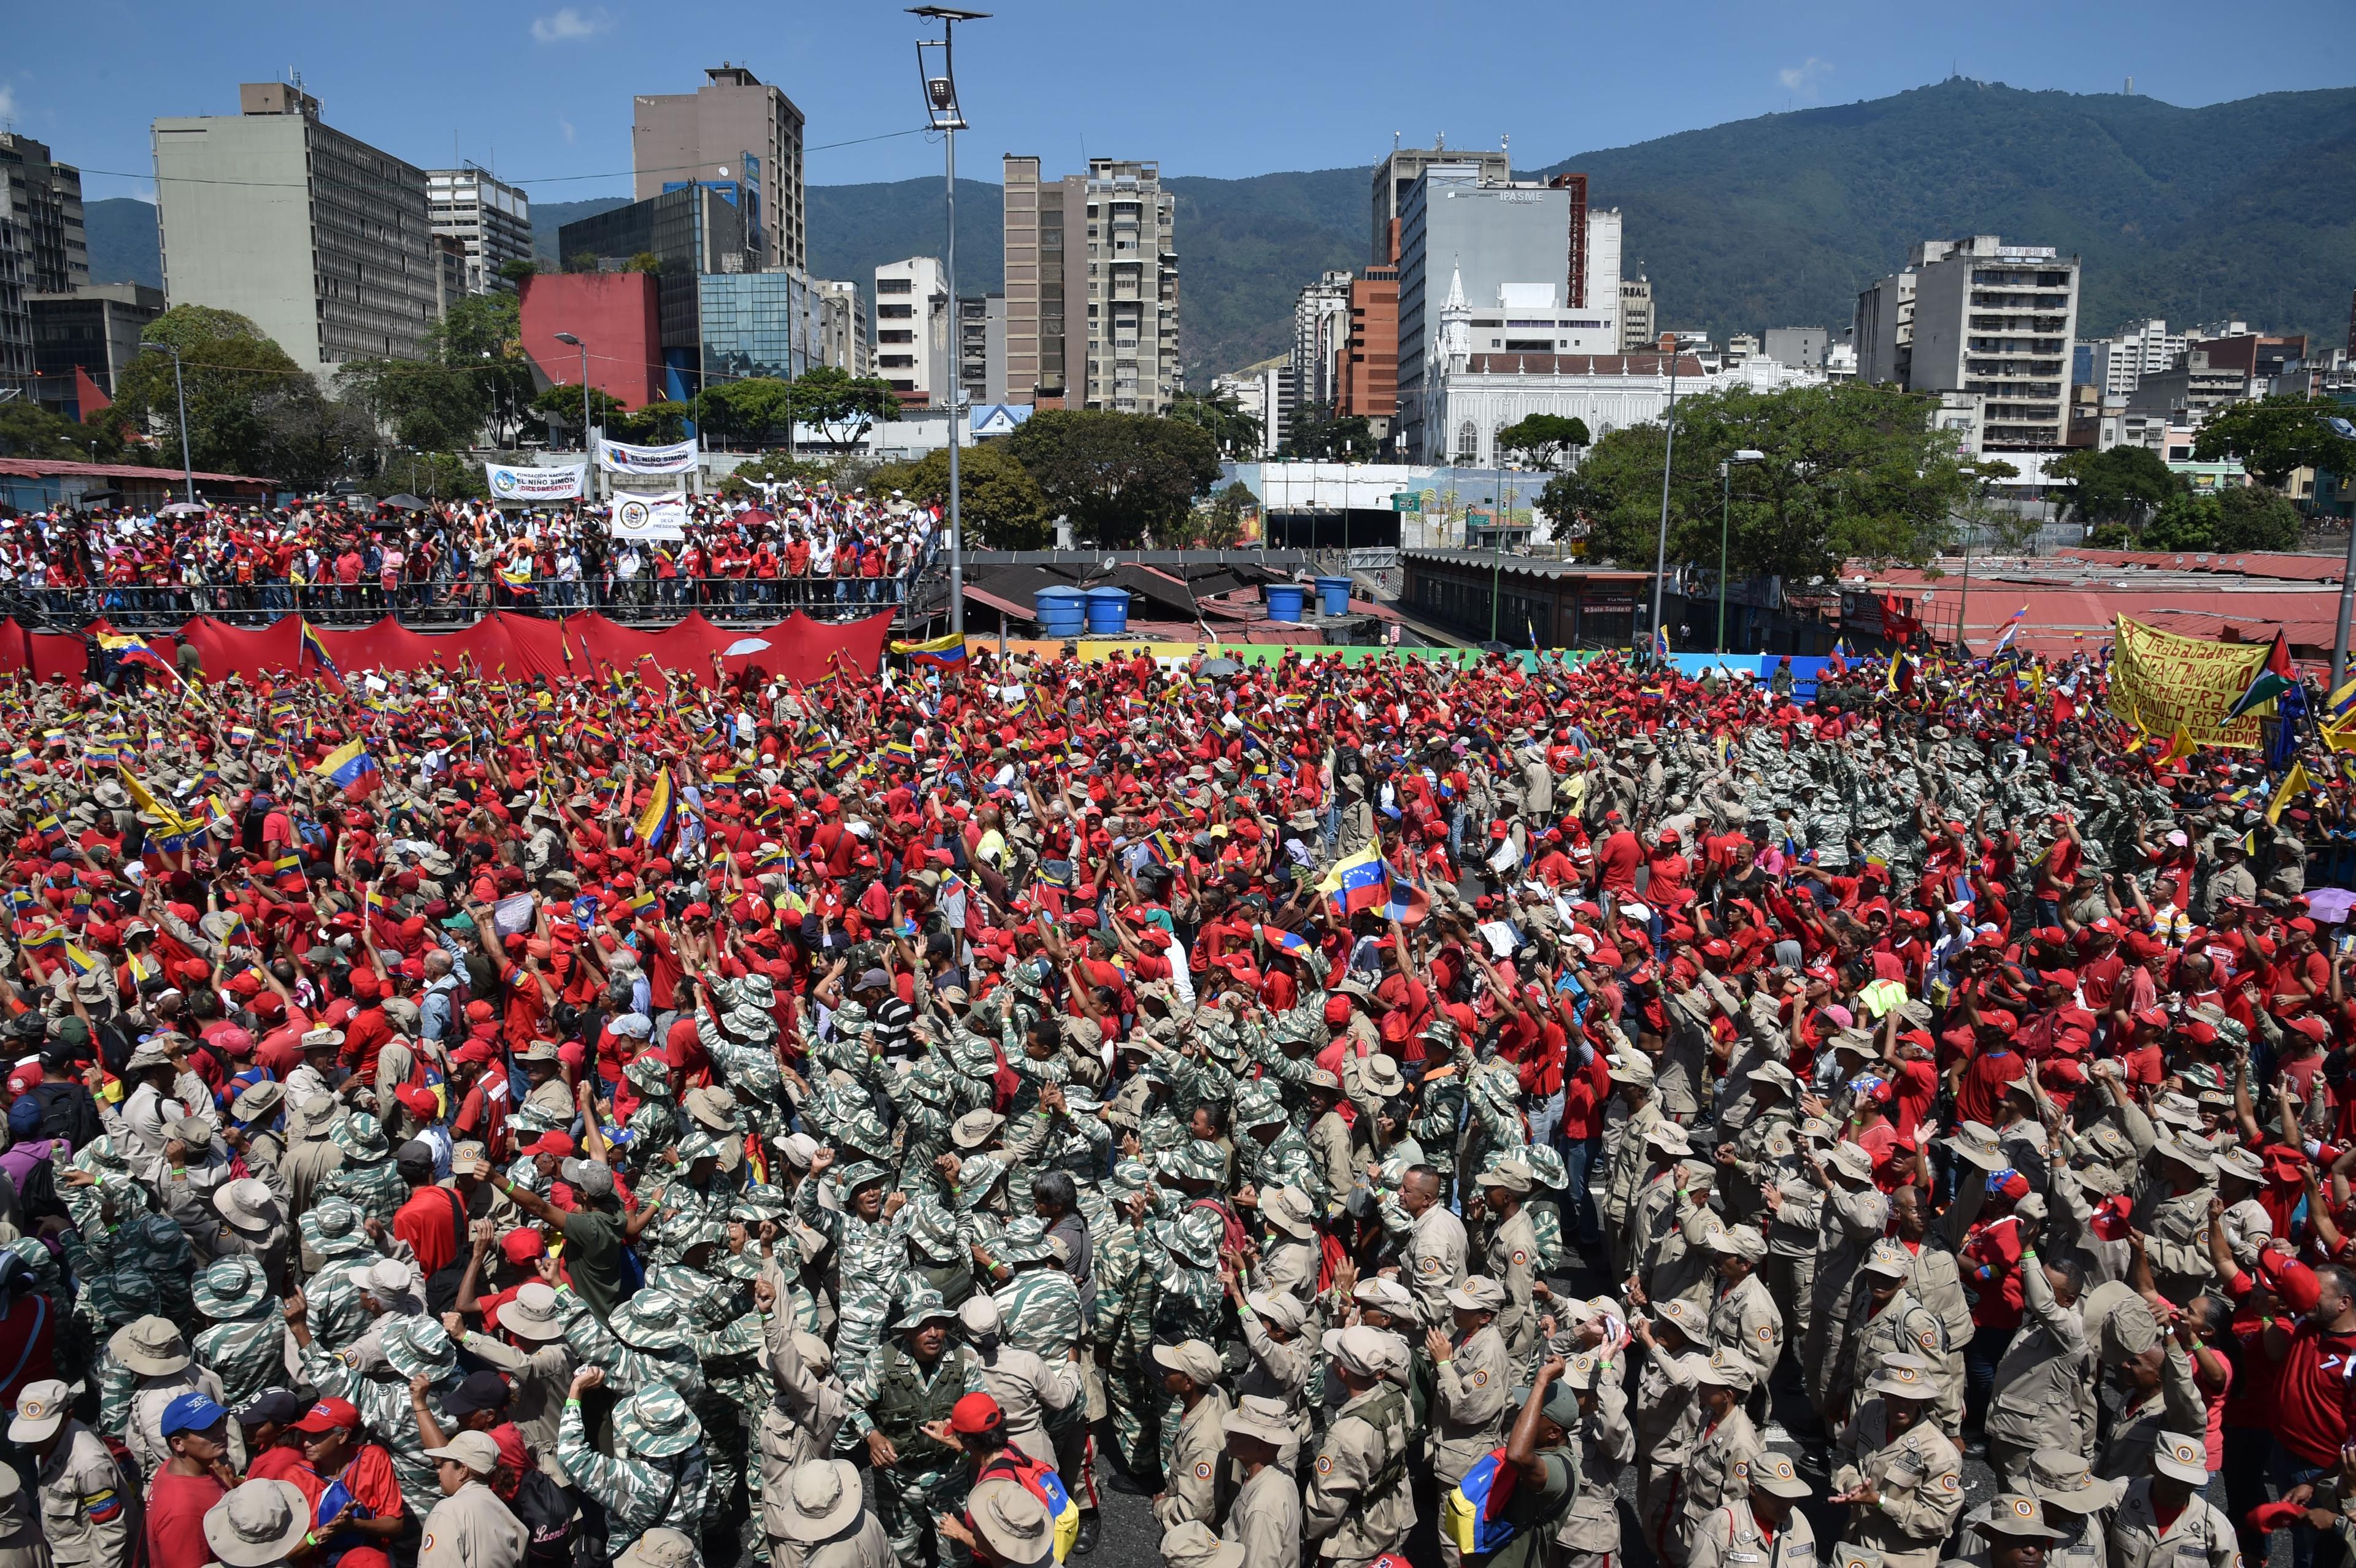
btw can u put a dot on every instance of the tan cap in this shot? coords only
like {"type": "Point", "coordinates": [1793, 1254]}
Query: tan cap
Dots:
{"type": "Point", "coordinates": [1369, 1352]}
{"type": "Point", "coordinates": [1772, 1473]}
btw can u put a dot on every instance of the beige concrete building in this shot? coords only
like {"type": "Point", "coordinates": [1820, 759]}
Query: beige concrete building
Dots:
{"type": "Point", "coordinates": [1091, 287]}
{"type": "Point", "coordinates": [843, 327]}
{"type": "Point", "coordinates": [1636, 314]}
{"type": "Point", "coordinates": [734, 130]}
{"type": "Point", "coordinates": [321, 240]}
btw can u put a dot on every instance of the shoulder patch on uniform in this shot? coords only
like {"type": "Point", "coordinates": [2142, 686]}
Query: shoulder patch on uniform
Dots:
{"type": "Point", "coordinates": [1325, 1464]}
{"type": "Point", "coordinates": [1742, 1469]}
{"type": "Point", "coordinates": [101, 1506]}
{"type": "Point", "coordinates": [1480, 1377]}
{"type": "Point", "coordinates": [1766, 1333]}
{"type": "Point", "coordinates": [1202, 1469]}
{"type": "Point", "coordinates": [428, 1546]}
{"type": "Point", "coordinates": [1521, 1256]}
{"type": "Point", "coordinates": [352, 1359]}
{"type": "Point", "coordinates": [1951, 1482]}
{"type": "Point", "coordinates": [1930, 1338]}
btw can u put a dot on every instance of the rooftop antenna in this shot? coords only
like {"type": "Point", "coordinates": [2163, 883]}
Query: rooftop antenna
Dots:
{"type": "Point", "coordinates": [1394, 140]}
{"type": "Point", "coordinates": [1440, 141]}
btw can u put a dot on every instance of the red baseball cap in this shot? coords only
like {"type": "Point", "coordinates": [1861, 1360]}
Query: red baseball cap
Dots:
{"type": "Point", "coordinates": [329, 1414]}
{"type": "Point", "coordinates": [975, 1413]}
{"type": "Point", "coordinates": [522, 1245]}
{"type": "Point", "coordinates": [558, 1144]}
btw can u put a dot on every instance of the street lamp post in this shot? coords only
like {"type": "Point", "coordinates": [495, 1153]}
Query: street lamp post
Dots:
{"type": "Point", "coordinates": [1668, 455]}
{"type": "Point", "coordinates": [592, 475]}
{"type": "Point", "coordinates": [1725, 521]}
{"type": "Point", "coordinates": [942, 114]}
{"type": "Point", "coordinates": [189, 472]}
{"type": "Point", "coordinates": [2345, 430]}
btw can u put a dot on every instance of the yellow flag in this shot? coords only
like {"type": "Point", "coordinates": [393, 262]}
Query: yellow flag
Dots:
{"type": "Point", "coordinates": [2295, 783]}
{"type": "Point", "coordinates": [2179, 746]}
{"type": "Point", "coordinates": [2340, 739]}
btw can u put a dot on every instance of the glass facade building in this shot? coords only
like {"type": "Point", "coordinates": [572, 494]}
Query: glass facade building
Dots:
{"type": "Point", "coordinates": [760, 324]}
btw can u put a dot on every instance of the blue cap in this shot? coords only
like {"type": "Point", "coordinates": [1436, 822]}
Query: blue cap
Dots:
{"type": "Point", "coordinates": [192, 1412]}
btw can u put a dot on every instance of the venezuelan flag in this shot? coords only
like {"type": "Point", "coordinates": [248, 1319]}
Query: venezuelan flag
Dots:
{"type": "Point", "coordinates": [655, 820]}
{"type": "Point", "coordinates": [58, 944]}
{"type": "Point", "coordinates": [1277, 936]}
{"type": "Point", "coordinates": [312, 645]}
{"type": "Point", "coordinates": [352, 770]}
{"type": "Point", "coordinates": [135, 651]}
{"type": "Point", "coordinates": [946, 652]}
{"type": "Point", "coordinates": [644, 903]}
{"type": "Point", "coordinates": [517, 579]}
{"type": "Point", "coordinates": [1357, 882]}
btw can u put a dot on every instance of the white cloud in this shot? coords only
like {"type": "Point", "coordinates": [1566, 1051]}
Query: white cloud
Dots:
{"type": "Point", "coordinates": [566, 127]}
{"type": "Point", "coordinates": [7, 101]}
{"type": "Point", "coordinates": [1807, 77]}
{"type": "Point", "coordinates": [571, 25]}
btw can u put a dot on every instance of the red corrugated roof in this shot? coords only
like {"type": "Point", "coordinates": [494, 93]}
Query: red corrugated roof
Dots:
{"type": "Point", "coordinates": [2250, 563]}
{"type": "Point", "coordinates": [44, 468]}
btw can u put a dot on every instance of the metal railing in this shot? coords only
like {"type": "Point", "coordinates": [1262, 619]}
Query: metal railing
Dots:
{"type": "Point", "coordinates": [442, 605]}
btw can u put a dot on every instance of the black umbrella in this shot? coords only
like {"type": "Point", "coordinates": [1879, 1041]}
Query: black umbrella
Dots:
{"type": "Point", "coordinates": [1493, 647]}
{"type": "Point", "coordinates": [404, 502]}
{"type": "Point", "coordinates": [1220, 666]}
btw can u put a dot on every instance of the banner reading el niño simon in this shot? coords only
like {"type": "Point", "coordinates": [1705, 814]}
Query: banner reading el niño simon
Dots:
{"type": "Point", "coordinates": [613, 457]}
{"type": "Point", "coordinates": [535, 483]}
{"type": "Point", "coordinates": [2159, 680]}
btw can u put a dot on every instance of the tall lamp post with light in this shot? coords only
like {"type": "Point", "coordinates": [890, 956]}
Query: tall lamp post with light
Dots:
{"type": "Point", "coordinates": [180, 392]}
{"type": "Point", "coordinates": [1725, 527]}
{"type": "Point", "coordinates": [935, 67]}
{"type": "Point", "coordinates": [591, 457]}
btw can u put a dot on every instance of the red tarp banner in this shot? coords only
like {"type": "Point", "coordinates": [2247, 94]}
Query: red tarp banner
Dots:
{"type": "Point", "coordinates": [521, 647]}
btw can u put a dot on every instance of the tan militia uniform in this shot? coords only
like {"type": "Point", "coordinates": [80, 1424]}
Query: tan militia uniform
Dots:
{"type": "Point", "coordinates": [1715, 1471]}
{"type": "Point", "coordinates": [1470, 1392]}
{"type": "Point", "coordinates": [1192, 1488]}
{"type": "Point", "coordinates": [1920, 1478]}
{"type": "Point", "coordinates": [89, 1509]}
{"type": "Point", "coordinates": [472, 1528]}
{"type": "Point", "coordinates": [1745, 1322]}
{"type": "Point", "coordinates": [1432, 1264]}
{"type": "Point", "coordinates": [1265, 1516]}
{"type": "Point", "coordinates": [1511, 1259]}
{"type": "Point", "coordinates": [1366, 1443]}
{"type": "Point", "coordinates": [2200, 1533]}
{"type": "Point", "coordinates": [1730, 1538]}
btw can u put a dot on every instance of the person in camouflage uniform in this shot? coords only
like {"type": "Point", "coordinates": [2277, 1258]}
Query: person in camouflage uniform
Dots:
{"type": "Point", "coordinates": [245, 1340]}
{"type": "Point", "coordinates": [642, 1344]}
{"type": "Point", "coordinates": [912, 1381]}
{"type": "Point", "coordinates": [658, 1478]}
{"type": "Point", "coordinates": [1039, 1311]}
{"type": "Point", "coordinates": [712, 1286]}
{"type": "Point", "coordinates": [368, 1180]}
{"type": "Point", "coordinates": [654, 1123]}
{"type": "Point", "coordinates": [1122, 1250]}
{"type": "Point", "coordinates": [870, 1251]}
{"type": "Point", "coordinates": [332, 1233]}
{"type": "Point", "coordinates": [380, 1389]}
{"type": "Point", "coordinates": [1187, 1304]}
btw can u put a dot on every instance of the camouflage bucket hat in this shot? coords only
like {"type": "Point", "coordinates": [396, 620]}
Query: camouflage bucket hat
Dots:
{"type": "Point", "coordinates": [921, 1308]}
{"type": "Point", "coordinates": [752, 1023]}
{"type": "Point", "coordinates": [1546, 1169]}
{"type": "Point", "coordinates": [333, 1228]}
{"type": "Point", "coordinates": [418, 1347]}
{"type": "Point", "coordinates": [648, 1321]}
{"type": "Point", "coordinates": [935, 1234]}
{"type": "Point", "coordinates": [362, 1138]}
{"type": "Point", "coordinates": [850, 1020]}
{"type": "Point", "coordinates": [1131, 1176]}
{"type": "Point", "coordinates": [232, 1288]}
{"type": "Point", "coordinates": [1195, 1237]}
{"type": "Point", "coordinates": [866, 1133]}
{"type": "Point", "coordinates": [656, 1423]}
{"type": "Point", "coordinates": [753, 991]}
{"type": "Point", "coordinates": [973, 1055]}
{"type": "Point", "coordinates": [1257, 1107]}
{"type": "Point", "coordinates": [860, 1174]}
{"type": "Point", "coordinates": [650, 1075]}
{"type": "Point", "coordinates": [698, 1145]}
{"type": "Point", "coordinates": [976, 1176]}
{"type": "Point", "coordinates": [760, 1201]}
{"type": "Point", "coordinates": [1025, 1242]}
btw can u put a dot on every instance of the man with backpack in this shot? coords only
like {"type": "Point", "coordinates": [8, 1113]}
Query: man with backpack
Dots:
{"type": "Point", "coordinates": [1359, 1504]}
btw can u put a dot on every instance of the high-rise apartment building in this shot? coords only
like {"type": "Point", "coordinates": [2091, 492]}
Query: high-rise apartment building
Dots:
{"type": "Point", "coordinates": [1091, 268]}
{"type": "Point", "coordinates": [1369, 380]}
{"type": "Point", "coordinates": [490, 219]}
{"type": "Point", "coordinates": [16, 319]}
{"type": "Point", "coordinates": [842, 327]}
{"type": "Point", "coordinates": [912, 330]}
{"type": "Point", "coordinates": [2119, 363]}
{"type": "Point", "coordinates": [735, 129]}
{"type": "Point", "coordinates": [1320, 329]}
{"type": "Point", "coordinates": [1397, 174]}
{"type": "Point", "coordinates": [693, 232]}
{"type": "Point", "coordinates": [43, 198]}
{"type": "Point", "coordinates": [1978, 315]}
{"type": "Point", "coordinates": [1636, 315]}
{"type": "Point", "coordinates": [1539, 267]}
{"type": "Point", "coordinates": [95, 329]}
{"type": "Point", "coordinates": [321, 240]}
{"type": "Point", "coordinates": [981, 348]}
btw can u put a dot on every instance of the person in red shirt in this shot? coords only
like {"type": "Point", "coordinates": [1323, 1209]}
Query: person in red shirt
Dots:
{"type": "Point", "coordinates": [197, 1476]}
{"type": "Point", "coordinates": [434, 1220]}
{"type": "Point", "coordinates": [349, 1478]}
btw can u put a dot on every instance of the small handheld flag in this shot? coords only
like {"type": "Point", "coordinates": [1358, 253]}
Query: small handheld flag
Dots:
{"type": "Point", "coordinates": [2271, 680]}
{"type": "Point", "coordinates": [313, 647]}
{"type": "Point", "coordinates": [351, 770]}
{"type": "Point", "coordinates": [655, 820]}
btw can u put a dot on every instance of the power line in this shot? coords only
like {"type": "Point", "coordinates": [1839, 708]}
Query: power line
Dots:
{"type": "Point", "coordinates": [543, 179]}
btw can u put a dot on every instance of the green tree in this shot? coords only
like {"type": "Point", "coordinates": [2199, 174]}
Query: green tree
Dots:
{"type": "Point", "coordinates": [1000, 506]}
{"type": "Point", "coordinates": [842, 405]}
{"type": "Point", "coordinates": [1222, 415]}
{"type": "Point", "coordinates": [1118, 477]}
{"type": "Point", "coordinates": [471, 379]}
{"type": "Point", "coordinates": [644, 262]}
{"type": "Point", "coordinates": [28, 430]}
{"type": "Point", "coordinates": [2251, 518]}
{"type": "Point", "coordinates": [752, 410]}
{"type": "Point", "coordinates": [2118, 485]}
{"type": "Point", "coordinates": [1317, 435]}
{"type": "Point", "coordinates": [560, 405]}
{"type": "Point", "coordinates": [516, 268]}
{"type": "Point", "coordinates": [582, 261]}
{"type": "Point", "coordinates": [2184, 522]}
{"type": "Point", "coordinates": [658, 423]}
{"type": "Point", "coordinates": [252, 409]}
{"type": "Point", "coordinates": [1219, 523]}
{"type": "Point", "coordinates": [1850, 470]}
{"type": "Point", "coordinates": [2273, 437]}
{"type": "Point", "coordinates": [1541, 439]}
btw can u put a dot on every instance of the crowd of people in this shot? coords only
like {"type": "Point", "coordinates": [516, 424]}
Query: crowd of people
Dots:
{"type": "Point", "coordinates": [828, 555]}
{"type": "Point", "coordinates": [1510, 1113]}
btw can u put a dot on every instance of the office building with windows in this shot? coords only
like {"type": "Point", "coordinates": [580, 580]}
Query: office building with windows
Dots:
{"type": "Point", "coordinates": [760, 324]}
{"type": "Point", "coordinates": [912, 330]}
{"type": "Point", "coordinates": [1091, 271]}
{"type": "Point", "coordinates": [981, 348]}
{"type": "Point", "coordinates": [733, 130]}
{"type": "Point", "coordinates": [842, 327]}
{"type": "Point", "coordinates": [692, 231]}
{"type": "Point", "coordinates": [320, 240]}
{"type": "Point", "coordinates": [491, 222]}
{"type": "Point", "coordinates": [1978, 315]}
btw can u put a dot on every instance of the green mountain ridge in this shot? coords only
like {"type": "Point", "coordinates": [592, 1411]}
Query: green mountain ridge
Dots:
{"type": "Point", "coordinates": [2190, 214]}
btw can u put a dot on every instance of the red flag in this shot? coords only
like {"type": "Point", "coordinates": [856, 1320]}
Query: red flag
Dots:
{"type": "Point", "coordinates": [87, 396]}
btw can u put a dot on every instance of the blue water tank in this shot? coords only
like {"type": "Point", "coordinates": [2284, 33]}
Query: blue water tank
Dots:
{"type": "Point", "coordinates": [1284, 601]}
{"type": "Point", "coordinates": [1334, 595]}
{"type": "Point", "coordinates": [1108, 612]}
{"type": "Point", "coordinates": [1062, 611]}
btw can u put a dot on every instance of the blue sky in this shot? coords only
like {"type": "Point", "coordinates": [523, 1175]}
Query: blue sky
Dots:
{"type": "Point", "coordinates": [541, 92]}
